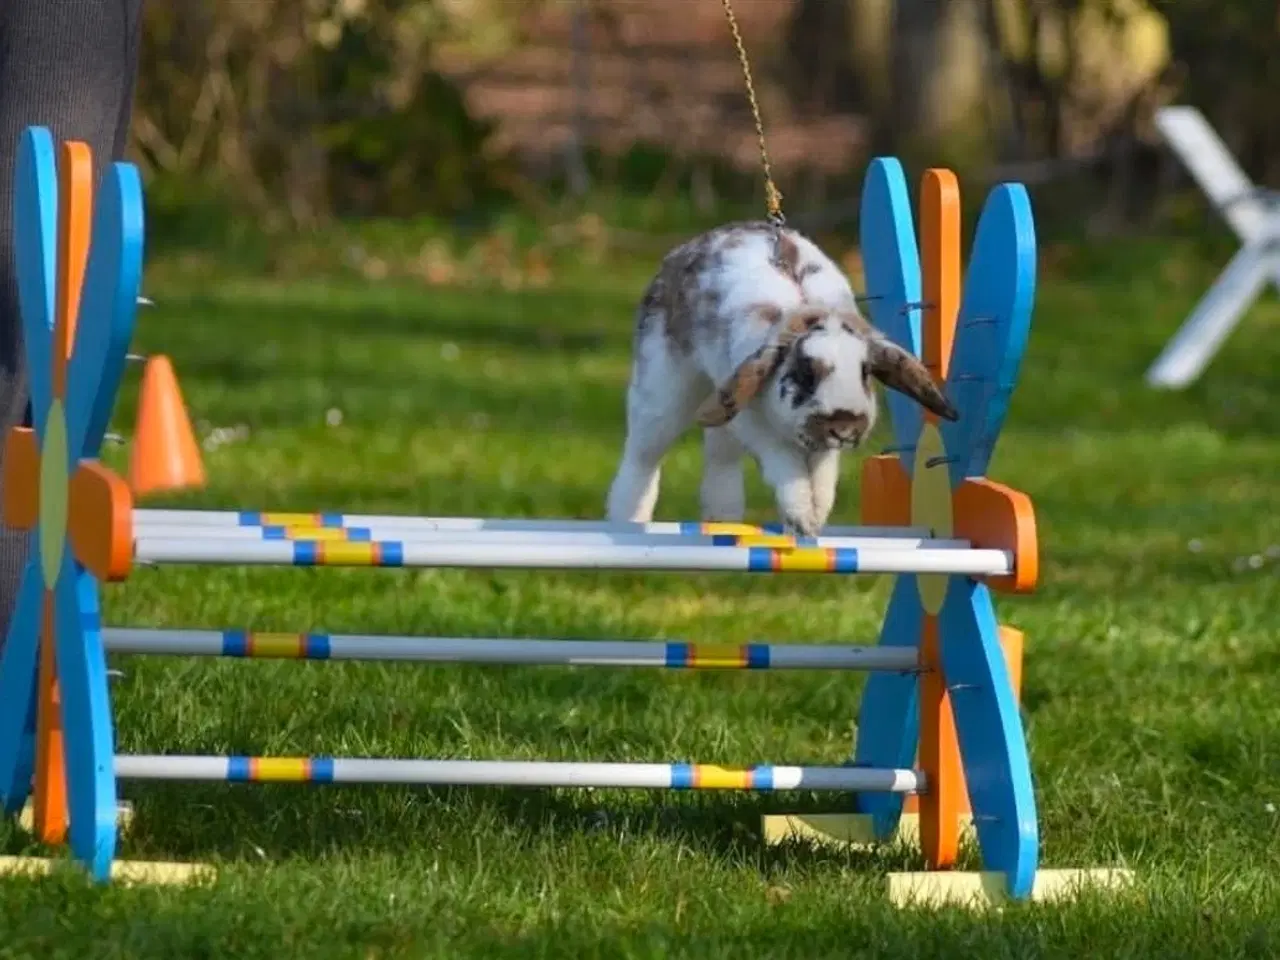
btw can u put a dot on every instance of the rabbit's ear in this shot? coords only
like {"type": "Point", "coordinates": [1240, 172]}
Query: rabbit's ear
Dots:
{"type": "Point", "coordinates": [754, 372]}
{"type": "Point", "coordinates": [899, 369]}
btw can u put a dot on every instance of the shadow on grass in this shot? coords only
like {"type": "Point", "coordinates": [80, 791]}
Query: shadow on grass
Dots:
{"type": "Point", "coordinates": [252, 822]}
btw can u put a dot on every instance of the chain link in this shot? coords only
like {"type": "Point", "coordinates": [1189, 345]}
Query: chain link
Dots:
{"type": "Point", "coordinates": [772, 195]}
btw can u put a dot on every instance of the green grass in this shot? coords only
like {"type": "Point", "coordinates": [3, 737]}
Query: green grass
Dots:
{"type": "Point", "coordinates": [1152, 648]}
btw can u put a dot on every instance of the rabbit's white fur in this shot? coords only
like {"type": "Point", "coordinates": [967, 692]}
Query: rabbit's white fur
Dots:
{"type": "Point", "coordinates": [755, 333]}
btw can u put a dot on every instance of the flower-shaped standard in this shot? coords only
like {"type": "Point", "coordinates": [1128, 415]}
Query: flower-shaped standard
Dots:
{"type": "Point", "coordinates": [79, 267]}
{"type": "Point", "coordinates": [961, 711]}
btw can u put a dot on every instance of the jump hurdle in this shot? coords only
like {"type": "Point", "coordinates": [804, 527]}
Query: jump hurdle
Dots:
{"type": "Point", "coordinates": [940, 720]}
{"type": "Point", "coordinates": [1253, 215]}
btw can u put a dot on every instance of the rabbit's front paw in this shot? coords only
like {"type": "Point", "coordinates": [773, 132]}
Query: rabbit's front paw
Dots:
{"type": "Point", "coordinates": [801, 522]}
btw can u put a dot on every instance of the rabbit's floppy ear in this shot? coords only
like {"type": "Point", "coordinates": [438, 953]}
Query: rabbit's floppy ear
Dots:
{"type": "Point", "coordinates": [899, 369]}
{"type": "Point", "coordinates": [755, 371]}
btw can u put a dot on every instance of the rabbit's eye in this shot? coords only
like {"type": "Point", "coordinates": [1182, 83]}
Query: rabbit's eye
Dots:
{"type": "Point", "coordinates": [866, 374]}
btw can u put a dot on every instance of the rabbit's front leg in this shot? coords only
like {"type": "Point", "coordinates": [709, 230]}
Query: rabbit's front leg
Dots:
{"type": "Point", "coordinates": [784, 468]}
{"type": "Point", "coordinates": [824, 476]}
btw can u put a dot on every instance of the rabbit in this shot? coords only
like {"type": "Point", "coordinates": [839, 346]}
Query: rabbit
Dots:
{"type": "Point", "coordinates": [752, 332]}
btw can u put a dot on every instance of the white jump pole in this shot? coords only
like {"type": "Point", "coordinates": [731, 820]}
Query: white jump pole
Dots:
{"type": "Point", "coordinates": [485, 650]}
{"type": "Point", "coordinates": [145, 518]}
{"type": "Point", "coordinates": [540, 556]}
{"type": "Point", "coordinates": [516, 773]}
{"type": "Point", "coordinates": [410, 534]}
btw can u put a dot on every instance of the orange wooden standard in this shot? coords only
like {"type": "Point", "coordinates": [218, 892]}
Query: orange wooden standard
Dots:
{"type": "Point", "coordinates": [101, 529]}
{"type": "Point", "coordinates": [939, 757]}
{"type": "Point", "coordinates": [939, 270]}
{"type": "Point", "coordinates": [75, 227]}
{"type": "Point", "coordinates": [885, 493]}
{"type": "Point", "coordinates": [21, 479]}
{"type": "Point", "coordinates": [939, 751]}
{"type": "Point", "coordinates": [49, 792]}
{"type": "Point", "coordinates": [996, 517]}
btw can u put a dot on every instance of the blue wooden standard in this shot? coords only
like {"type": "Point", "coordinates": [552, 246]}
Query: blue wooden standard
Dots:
{"type": "Point", "coordinates": [990, 338]}
{"type": "Point", "coordinates": [71, 406]}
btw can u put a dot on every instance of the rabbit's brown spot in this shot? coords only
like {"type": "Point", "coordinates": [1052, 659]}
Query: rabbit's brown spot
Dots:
{"type": "Point", "coordinates": [680, 292]}
{"type": "Point", "coordinates": [787, 260]}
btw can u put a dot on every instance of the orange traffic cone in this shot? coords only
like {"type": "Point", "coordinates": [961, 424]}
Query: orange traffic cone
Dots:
{"type": "Point", "coordinates": [165, 454]}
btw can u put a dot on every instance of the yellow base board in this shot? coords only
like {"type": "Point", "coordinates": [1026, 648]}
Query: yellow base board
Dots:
{"type": "Point", "coordinates": [848, 830]}
{"type": "Point", "coordinates": [124, 817]}
{"type": "Point", "coordinates": [122, 871]}
{"type": "Point", "coordinates": [977, 890]}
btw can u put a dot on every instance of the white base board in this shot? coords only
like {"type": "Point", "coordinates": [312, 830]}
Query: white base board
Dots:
{"type": "Point", "coordinates": [849, 830]}
{"type": "Point", "coordinates": [122, 871]}
{"type": "Point", "coordinates": [983, 889]}
{"type": "Point", "coordinates": [124, 817]}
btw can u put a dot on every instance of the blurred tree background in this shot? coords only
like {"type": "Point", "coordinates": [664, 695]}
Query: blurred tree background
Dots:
{"type": "Point", "coordinates": [291, 113]}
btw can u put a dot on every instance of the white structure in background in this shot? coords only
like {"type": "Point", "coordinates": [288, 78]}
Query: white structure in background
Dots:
{"type": "Point", "coordinates": [1252, 214]}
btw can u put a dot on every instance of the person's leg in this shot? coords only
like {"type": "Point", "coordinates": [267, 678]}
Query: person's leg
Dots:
{"type": "Point", "coordinates": [68, 65]}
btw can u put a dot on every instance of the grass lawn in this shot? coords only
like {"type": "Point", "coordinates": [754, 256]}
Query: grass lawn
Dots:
{"type": "Point", "coordinates": [1152, 647]}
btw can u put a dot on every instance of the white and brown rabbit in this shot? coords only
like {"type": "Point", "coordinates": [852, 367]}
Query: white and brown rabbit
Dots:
{"type": "Point", "coordinates": [753, 332]}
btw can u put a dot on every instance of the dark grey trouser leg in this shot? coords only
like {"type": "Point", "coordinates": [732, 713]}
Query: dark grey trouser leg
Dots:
{"type": "Point", "coordinates": [68, 65]}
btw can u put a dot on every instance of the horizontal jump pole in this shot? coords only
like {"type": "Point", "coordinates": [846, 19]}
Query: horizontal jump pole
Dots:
{"type": "Point", "coordinates": [537, 556]}
{"type": "Point", "coordinates": [143, 518]}
{"type": "Point", "coordinates": [530, 652]}
{"type": "Point", "coordinates": [587, 538]}
{"type": "Point", "coordinates": [515, 773]}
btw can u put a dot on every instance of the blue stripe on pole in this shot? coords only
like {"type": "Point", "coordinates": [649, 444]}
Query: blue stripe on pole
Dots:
{"type": "Point", "coordinates": [322, 770]}
{"type": "Point", "coordinates": [757, 656]}
{"type": "Point", "coordinates": [304, 553]}
{"type": "Point", "coordinates": [759, 559]}
{"type": "Point", "coordinates": [315, 646]}
{"type": "Point", "coordinates": [235, 643]}
{"type": "Point", "coordinates": [762, 777]}
{"type": "Point", "coordinates": [677, 655]}
{"type": "Point", "coordinates": [682, 776]}
{"type": "Point", "coordinates": [238, 769]}
{"type": "Point", "coordinates": [332, 520]}
{"type": "Point", "coordinates": [250, 518]}
{"type": "Point", "coordinates": [392, 553]}
{"type": "Point", "coordinates": [846, 560]}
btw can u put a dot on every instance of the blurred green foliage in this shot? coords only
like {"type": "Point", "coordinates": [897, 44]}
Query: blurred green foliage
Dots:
{"type": "Point", "coordinates": [287, 113]}
{"type": "Point", "coordinates": [307, 108]}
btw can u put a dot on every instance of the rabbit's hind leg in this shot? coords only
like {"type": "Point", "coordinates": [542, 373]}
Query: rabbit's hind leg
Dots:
{"type": "Point", "coordinates": [662, 397]}
{"type": "Point", "coordinates": [724, 496]}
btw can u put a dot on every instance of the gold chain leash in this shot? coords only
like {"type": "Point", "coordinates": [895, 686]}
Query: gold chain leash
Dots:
{"type": "Point", "coordinates": [772, 196]}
